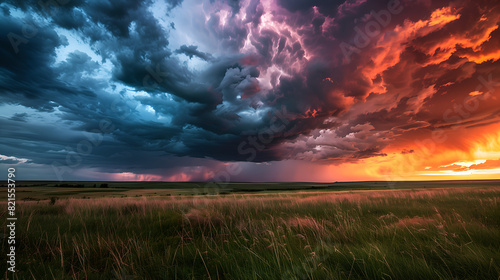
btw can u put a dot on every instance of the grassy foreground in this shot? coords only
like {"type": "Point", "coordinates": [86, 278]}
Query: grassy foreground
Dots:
{"type": "Point", "coordinates": [394, 234]}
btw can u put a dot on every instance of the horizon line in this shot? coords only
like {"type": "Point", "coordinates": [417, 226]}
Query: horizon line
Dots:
{"type": "Point", "coordinates": [257, 182]}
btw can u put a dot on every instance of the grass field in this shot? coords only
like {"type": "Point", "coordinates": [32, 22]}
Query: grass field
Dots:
{"type": "Point", "coordinates": [44, 190]}
{"type": "Point", "coordinates": [436, 232]}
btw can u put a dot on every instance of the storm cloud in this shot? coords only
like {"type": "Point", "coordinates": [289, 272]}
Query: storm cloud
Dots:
{"type": "Point", "coordinates": [181, 89]}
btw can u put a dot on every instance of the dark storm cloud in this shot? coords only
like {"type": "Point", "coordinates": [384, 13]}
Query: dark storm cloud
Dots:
{"type": "Point", "coordinates": [28, 76]}
{"type": "Point", "coordinates": [254, 12]}
{"type": "Point", "coordinates": [326, 7]}
{"type": "Point", "coordinates": [20, 117]}
{"type": "Point", "coordinates": [234, 4]}
{"type": "Point", "coordinates": [232, 35]}
{"type": "Point", "coordinates": [136, 55]}
{"type": "Point", "coordinates": [70, 19]}
{"type": "Point", "coordinates": [191, 51]}
{"type": "Point", "coordinates": [425, 59]}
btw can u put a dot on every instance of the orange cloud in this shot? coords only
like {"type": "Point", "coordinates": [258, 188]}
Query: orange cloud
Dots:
{"type": "Point", "coordinates": [442, 16]}
{"type": "Point", "coordinates": [477, 157]}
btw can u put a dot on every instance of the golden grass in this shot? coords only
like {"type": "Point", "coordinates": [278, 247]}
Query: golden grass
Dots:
{"type": "Point", "coordinates": [252, 201]}
{"type": "Point", "coordinates": [421, 221]}
{"type": "Point", "coordinates": [304, 222]}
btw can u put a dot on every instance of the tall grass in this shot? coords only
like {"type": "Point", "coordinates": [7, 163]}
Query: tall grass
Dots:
{"type": "Point", "coordinates": [401, 234]}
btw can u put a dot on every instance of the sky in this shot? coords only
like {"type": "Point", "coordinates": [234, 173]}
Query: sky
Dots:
{"type": "Point", "coordinates": [250, 90]}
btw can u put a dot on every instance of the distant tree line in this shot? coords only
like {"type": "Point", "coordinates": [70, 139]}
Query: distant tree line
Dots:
{"type": "Point", "coordinates": [79, 185]}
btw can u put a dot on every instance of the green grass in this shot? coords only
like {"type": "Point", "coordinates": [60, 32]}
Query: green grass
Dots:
{"type": "Point", "coordinates": [393, 234]}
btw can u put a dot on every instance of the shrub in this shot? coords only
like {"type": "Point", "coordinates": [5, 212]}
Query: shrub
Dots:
{"type": "Point", "coordinates": [53, 200]}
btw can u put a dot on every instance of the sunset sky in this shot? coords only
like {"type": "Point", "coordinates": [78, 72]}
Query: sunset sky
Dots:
{"type": "Point", "coordinates": [251, 90]}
